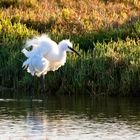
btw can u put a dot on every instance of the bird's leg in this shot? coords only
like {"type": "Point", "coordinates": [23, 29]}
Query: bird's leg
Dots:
{"type": "Point", "coordinates": [31, 88]}
{"type": "Point", "coordinates": [43, 83]}
{"type": "Point", "coordinates": [44, 87]}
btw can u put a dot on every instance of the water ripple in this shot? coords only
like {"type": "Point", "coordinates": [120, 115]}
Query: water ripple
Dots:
{"type": "Point", "coordinates": [44, 121]}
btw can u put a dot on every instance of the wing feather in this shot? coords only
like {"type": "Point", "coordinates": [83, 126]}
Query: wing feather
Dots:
{"type": "Point", "coordinates": [41, 45]}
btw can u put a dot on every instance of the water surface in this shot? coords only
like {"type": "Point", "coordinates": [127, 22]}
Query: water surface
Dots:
{"type": "Point", "coordinates": [71, 118]}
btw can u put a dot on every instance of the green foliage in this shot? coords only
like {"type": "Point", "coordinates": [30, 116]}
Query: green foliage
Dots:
{"type": "Point", "coordinates": [109, 47]}
{"type": "Point", "coordinates": [109, 69]}
{"type": "Point", "coordinates": [11, 41]}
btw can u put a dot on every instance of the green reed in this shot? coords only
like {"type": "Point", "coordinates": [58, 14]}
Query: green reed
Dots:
{"type": "Point", "coordinates": [107, 68]}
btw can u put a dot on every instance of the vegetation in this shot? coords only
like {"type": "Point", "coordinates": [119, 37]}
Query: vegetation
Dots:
{"type": "Point", "coordinates": [106, 32]}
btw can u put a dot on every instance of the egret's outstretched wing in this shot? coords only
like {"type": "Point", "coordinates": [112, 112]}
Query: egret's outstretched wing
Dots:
{"type": "Point", "coordinates": [41, 45]}
{"type": "Point", "coordinates": [35, 42]}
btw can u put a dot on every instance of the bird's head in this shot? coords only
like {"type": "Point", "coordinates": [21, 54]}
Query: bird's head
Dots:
{"type": "Point", "coordinates": [66, 45]}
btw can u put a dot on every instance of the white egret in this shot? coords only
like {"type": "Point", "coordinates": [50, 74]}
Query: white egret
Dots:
{"type": "Point", "coordinates": [45, 54]}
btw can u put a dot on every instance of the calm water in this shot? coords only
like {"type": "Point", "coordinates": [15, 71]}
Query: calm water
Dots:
{"type": "Point", "coordinates": [70, 118]}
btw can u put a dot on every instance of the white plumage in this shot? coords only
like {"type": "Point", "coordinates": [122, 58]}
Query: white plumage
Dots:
{"type": "Point", "coordinates": [45, 55]}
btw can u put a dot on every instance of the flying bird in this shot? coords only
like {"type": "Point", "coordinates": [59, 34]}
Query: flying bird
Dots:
{"type": "Point", "coordinates": [44, 55]}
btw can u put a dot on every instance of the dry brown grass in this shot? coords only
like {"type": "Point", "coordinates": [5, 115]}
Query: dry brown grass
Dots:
{"type": "Point", "coordinates": [77, 16]}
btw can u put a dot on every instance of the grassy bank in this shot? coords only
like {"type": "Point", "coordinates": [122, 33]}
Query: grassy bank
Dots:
{"type": "Point", "coordinates": [107, 38]}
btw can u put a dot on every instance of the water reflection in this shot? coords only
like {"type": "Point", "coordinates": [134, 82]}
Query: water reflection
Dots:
{"type": "Point", "coordinates": [72, 118]}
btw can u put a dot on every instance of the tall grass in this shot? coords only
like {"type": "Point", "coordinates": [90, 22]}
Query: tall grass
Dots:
{"type": "Point", "coordinates": [109, 68]}
{"type": "Point", "coordinates": [11, 41]}
{"type": "Point", "coordinates": [71, 17]}
{"type": "Point", "coordinates": [109, 45]}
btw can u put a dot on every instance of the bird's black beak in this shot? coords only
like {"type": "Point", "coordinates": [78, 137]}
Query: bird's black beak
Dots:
{"type": "Point", "coordinates": [74, 51]}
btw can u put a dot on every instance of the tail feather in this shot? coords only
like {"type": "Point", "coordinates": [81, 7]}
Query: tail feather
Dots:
{"type": "Point", "coordinates": [26, 63]}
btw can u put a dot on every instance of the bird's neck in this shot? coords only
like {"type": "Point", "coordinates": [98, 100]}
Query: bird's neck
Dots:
{"type": "Point", "coordinates": [61, 55]}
